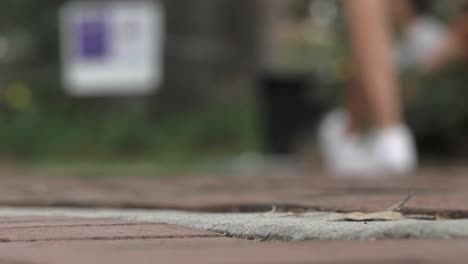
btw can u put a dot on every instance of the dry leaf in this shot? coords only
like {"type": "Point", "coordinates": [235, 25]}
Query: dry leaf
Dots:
{"type": "Point", "coordinates": [398, 206]}
{"type": "Point", "coordinates": [370, 217]}
{"type": "Point", "coordinates": [421, 217]}
{"type": "Point", "coordinates": [273, 210]}
{"type": "Point", "coordinates": [442, 217]}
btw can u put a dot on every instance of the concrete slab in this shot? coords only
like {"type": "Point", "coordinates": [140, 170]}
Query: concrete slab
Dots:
{"type": "Point", "coordinates": [311, 226]}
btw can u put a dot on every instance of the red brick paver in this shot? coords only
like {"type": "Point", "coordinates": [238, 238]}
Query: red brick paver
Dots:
{"type": "Point", "coordinates": [435, 190]}
{"type": "Point", "coordinates": [94, 229]}
{"type": "Point", "coordinates": [39, 240]}
{"type": "Point", "coordinates": [170, 244]}
{"type": "Point", "coordinates": [225, 250]}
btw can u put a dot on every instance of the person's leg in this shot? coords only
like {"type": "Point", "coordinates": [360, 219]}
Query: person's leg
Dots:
{"type": "Point", "coordinates": [373, 96]}
{"type": "Point", "coordinates": [370, 40]}
{"type": "Point", "coordinates": [355, 103]}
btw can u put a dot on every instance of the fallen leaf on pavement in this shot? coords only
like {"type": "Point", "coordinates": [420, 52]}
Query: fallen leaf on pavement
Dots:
{"type": "Point", "coordinates": [399, 206]}
{"type": "Point", "coordinates": [369, 217]}
{"type": "Point", "coordinates": [390, 214]}
{"type": "Point", "coordinates": [442, 217]}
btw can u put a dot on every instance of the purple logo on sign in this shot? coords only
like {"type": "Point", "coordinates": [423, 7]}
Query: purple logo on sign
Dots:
{"type": "Point", "coordinates": [93, 38]}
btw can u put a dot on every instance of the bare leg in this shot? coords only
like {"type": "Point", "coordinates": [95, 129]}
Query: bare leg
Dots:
{"type": "Point", "coordinates": [371, 97]}
{"type": "Point", "coordinates": [355, 104]}
{"type": "Point", "coordinates": [370, 39]}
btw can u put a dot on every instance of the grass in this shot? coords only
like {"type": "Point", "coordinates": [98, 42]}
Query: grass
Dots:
{"type": "Point", "coordinates": [123, 144]}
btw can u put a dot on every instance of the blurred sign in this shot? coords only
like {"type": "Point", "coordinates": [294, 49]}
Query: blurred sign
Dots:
{"type": "Point", "coordinates": [112, 48]}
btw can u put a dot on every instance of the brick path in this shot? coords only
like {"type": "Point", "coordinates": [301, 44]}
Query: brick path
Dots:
{"type": "Point", "coordinates": [65, 240]}
{"type": "Point", "coordinates": [436, 190]}
{"type": "Point", "coordinates": [52, 240]}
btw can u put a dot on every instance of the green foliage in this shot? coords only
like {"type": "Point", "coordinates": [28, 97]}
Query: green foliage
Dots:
{"type": "Point", "coordinates": [49, 136]}
{"type": "Point", "coordinates": [39, 121]}
{"type": "Point", "coordinates": [32, 27]}
{"type": "Point", "coordinates": [437, 109]}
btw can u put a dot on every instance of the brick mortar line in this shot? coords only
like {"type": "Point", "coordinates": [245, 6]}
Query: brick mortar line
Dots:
{"type": "Point", "coordinates": [256, 208]}
{"type": "Point", "coordinates": [82, 225]}
{"type": "Point", "coordinates": [117, 238]}
{"type": "Point", "coordinates": [39, 221]}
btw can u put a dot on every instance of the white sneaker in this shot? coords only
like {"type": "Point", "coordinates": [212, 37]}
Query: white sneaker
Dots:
{"type": "Point", "coordinates": [354, 158]}
{"type": "Point", "coordinates": [344, 153]}
{"type": "Point", "coordinates": [395, 150]}
{"type": "Point", "coordinates": [389, 152]}
{"type": "Point", "coordinates": [332, 136]}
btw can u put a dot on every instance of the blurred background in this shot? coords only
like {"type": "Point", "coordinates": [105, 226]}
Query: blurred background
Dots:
{"type": "Point", "coordinates": [196, 85]}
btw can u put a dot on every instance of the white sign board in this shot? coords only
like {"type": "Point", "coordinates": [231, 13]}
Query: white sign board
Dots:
{"type": "Point", "coordinates": [112, 47]}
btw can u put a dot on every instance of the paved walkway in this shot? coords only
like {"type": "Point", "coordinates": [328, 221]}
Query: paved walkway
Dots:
{"type": "Point", "coordinates": [37, 240]}
{"type": "Point", "coordinates": [273, 226]}
{"type": "Point", "coordinates": [435, 190]}
{"type": "Point", "coordinates": [68, 240]}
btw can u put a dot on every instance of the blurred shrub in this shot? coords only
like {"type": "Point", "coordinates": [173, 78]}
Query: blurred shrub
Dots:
{"type": "Point", "coordinates": [88, 137]}
{"type": "Point", "coordinates": [437, 109]}
{"type": "Point", "coordinates": [39, 121]}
